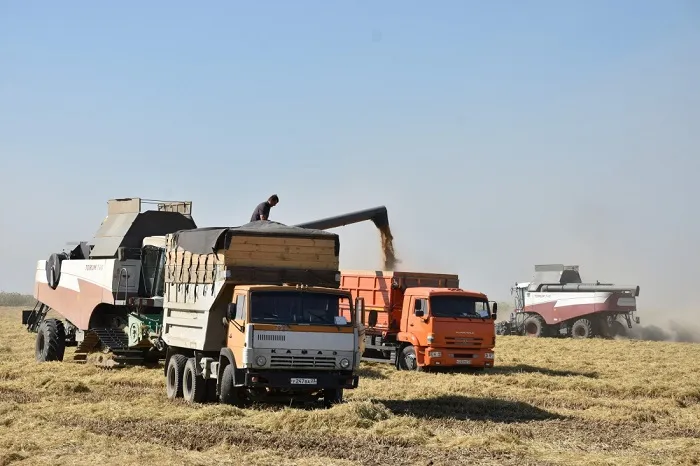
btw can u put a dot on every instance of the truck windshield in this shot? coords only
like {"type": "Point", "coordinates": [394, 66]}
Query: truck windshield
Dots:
{"type": "Point", "coordinates": [458, 306]}
{"type": "Point", "coordinates": [295, 307]}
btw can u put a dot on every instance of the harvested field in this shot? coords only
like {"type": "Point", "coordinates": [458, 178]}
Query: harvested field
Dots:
{"type": "Point", "coordinates": [548, 402]}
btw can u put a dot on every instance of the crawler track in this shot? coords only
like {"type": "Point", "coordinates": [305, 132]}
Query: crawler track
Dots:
{"type": "Point", "coordinates": [114, 344]}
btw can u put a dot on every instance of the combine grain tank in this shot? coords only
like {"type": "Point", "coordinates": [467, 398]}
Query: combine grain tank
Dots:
{"type": "Point", "coordinates": [557, 303]}
{"type": "Point", "coordinates": [109, 291]}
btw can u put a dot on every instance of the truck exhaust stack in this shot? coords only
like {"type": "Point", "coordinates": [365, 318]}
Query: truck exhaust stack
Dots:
{"type": "Point", "coordinates": [378, 216]}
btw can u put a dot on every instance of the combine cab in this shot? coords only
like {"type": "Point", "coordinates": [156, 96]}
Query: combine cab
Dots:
{"type": "Point", "coordinates": [109, 291]}
{"type": "Point", "coordinates": [557, 304]}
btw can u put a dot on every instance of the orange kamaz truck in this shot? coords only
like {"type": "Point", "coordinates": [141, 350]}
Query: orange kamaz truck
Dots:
{"type": "Point", "coordinates": [422, 320]}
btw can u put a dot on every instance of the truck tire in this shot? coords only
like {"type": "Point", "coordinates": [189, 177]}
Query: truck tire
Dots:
{"type": "Point", "coordinates": [174, 375]}
{"type": "Point", "coordinates": [408, 360]}
{"type": "Point", "coordinates": [582, 328]}
{"type": "Point", "coordinates": [228, 393]}
{"type": "Point", "coordinates": [534, 326]}
{"type": "Point", "coordinates": [332, 396]}
{"type": "Point", "coordinates": [194, 387]}
{"type": "Point", "coordinates": [50, 341]}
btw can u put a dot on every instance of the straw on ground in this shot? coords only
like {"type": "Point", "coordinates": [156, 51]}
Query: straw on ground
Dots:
{"type": "Point", "coordinates": [548, 402]}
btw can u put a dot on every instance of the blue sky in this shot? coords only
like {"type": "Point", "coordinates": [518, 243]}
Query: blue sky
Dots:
{"type": "Point", "coordinates": [498, 135]}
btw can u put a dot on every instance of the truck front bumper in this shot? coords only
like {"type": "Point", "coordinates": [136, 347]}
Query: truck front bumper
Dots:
{"type": "Point", "coordinates": [301, 380]}
{"type": "Point", "coordinates": [458, 357]}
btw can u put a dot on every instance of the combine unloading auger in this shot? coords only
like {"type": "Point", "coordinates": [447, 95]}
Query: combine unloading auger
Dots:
{"type": "Point", "coordinates": [378, 216]}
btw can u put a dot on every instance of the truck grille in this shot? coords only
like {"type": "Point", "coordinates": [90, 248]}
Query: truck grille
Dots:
{"type": "Point", "coordinates": [462, 341]}
{"type": "Point", "coordinates": [270, 337]}
{"type": "Point", "coordinates": [319, 362]}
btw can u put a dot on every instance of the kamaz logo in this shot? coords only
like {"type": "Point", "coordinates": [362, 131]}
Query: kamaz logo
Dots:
{"type": "Point", "coordinates": [465, 333]}
{"type": "Point", "coordinates": [91, 267]}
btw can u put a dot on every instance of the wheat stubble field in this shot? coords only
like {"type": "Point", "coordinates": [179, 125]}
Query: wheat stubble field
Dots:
{"type": "Point", "coordinates": [548, 402]}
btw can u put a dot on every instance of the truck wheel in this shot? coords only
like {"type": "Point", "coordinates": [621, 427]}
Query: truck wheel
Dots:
{"type": "Point", "coordinates": [228, 393]}
{"type": "Point", "coordinates": [174, 375]}
{"type": "Point", "coordinates": [408, 361]}
{"type": "Point", "coordinates": [582, 328]}
{"type": "Point", "coordinates": [332, 396]}
{"type": "Point", "coordinates": [194, 387]}
{"type": "Point", "coordinates": [50, 341]}
{"type": "Point", "coordinates": [534, 326]}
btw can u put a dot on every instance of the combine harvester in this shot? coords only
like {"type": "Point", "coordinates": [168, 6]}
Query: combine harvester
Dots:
{"type": "Point", "coordinates": [557, 304]}
{"type": "Point", "coordinates": [238, 314]}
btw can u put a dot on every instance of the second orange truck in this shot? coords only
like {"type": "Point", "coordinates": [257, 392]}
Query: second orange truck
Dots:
{"type": "Point", "coordinates": [423, 320]}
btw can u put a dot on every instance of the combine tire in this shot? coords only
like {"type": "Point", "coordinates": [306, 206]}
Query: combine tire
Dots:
{"type": "Point", "coordinates": [582, 328]}
{"type": "Point", "coordinates": [174, 375]}
{"type": "Point", "coordinates": [228, 392]}
{"type": "Point", "coordinates": [50, 341]}
{"type": "Point", "coordinates": [332, 396]}
{"type": "Point", "coordinates": [534, 326]}
{"type": "Point", "coordinates": [617, 329]}
{"type": "Point", "coordinates": [194, 387]}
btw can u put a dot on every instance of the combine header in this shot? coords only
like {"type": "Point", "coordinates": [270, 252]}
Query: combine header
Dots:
{"type": "Point", "coordinates": [556, 303]}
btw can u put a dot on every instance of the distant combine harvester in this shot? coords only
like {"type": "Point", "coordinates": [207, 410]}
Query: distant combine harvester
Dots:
{"type": "Point", "coordinates": [556, 303]}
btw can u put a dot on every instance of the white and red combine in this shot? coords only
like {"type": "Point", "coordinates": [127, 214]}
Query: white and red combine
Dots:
{"type": "Point", "coordinates": [556, 303]}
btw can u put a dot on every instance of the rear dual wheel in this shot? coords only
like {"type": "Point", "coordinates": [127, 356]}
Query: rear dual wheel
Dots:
{"type": "Point", "coordinates": [174, 375]}
{"type": "Point", "coordinates": [182, 380]}
{"type": "Point", "coordinates": [194, 387]}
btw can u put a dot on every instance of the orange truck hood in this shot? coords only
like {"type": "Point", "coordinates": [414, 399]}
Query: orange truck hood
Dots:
{"type": "Point", "coordinates": [472, 333]}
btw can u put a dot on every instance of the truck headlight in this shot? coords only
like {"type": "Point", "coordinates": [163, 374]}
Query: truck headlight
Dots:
{"type": "Point", "coordinates": [488, 355]}
{"type": "Point", "coordinates": [260, 360]}
{"type": "Point", "coordinates": [345, 363]}
{"type": "Point", "coordinates": [435, 354]}
{"type": "Point", "coordinates": [431, 337]}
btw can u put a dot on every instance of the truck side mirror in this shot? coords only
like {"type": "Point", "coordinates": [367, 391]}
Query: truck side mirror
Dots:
{"type": "Point", "coordinates": [419, 313]}
{"type": "Point", "coordinates": [360, 310]}
{"type": "Point", "coordinates": [231, 311]}
{"type": "Point", "coordinates": [494, 313]}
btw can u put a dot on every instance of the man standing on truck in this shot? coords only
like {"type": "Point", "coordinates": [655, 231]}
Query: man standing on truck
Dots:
{"type": "Point", "coordinates": [262, 211]}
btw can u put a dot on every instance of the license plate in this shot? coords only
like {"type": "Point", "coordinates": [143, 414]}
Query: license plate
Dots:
{"type": "Point", "coordinates": [464, 361]}
{"type": "Point", "coordinates": [300, 381]}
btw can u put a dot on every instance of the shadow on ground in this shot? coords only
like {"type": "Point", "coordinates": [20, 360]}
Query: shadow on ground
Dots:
{"type": "Point", "coordinates": [466, 408]}
{"type": "Point", "coordinates": [368, 373]}
{"type": "Point", "coordinates": [525, 368]}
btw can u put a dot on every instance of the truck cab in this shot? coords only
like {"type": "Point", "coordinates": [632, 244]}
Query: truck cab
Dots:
{"type": "Point", "coordinates": [444, 327]}
{"type": "Point", "coordinates": [288, 338]}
